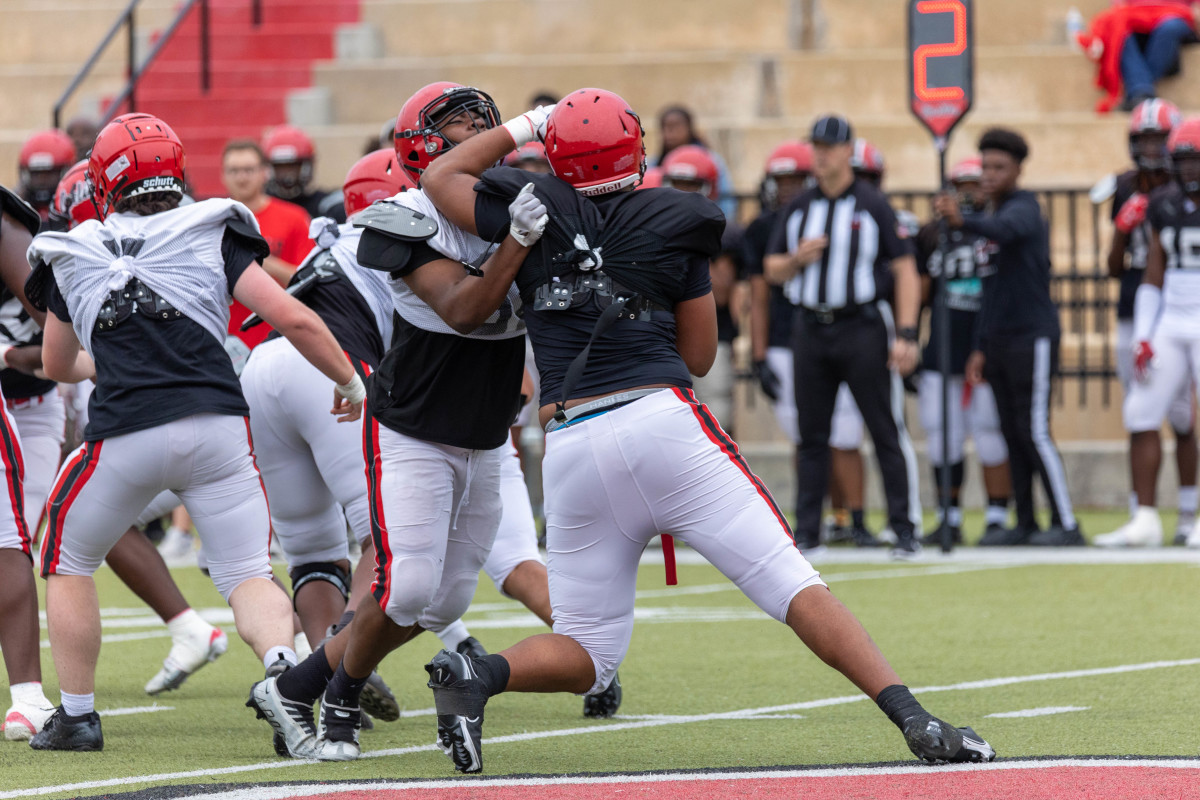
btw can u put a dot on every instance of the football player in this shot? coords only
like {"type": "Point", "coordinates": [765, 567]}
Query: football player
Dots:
{"type": "Point", "coordinates": [44, 158]}
{"type": "Point", "coordinates": [291, 154]}
{"type": "Point", "coordinates": [618, 303]}
{"type": "Point", "coordinates": [1166, 318]}
{"type": "Point", "coordinates": [140, 304]}
{"type": "Point", "coordinates": [1149, 126]}
{"type": "Point", "coordinates": [972, 408]}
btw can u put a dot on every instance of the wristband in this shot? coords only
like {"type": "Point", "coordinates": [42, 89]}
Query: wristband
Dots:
{"type": "Point", "coordinates": [4, 348]}
{"type": "Point", "coordinates": [908, 334]}
{"type": "Point", "coordinates": [354, 391]}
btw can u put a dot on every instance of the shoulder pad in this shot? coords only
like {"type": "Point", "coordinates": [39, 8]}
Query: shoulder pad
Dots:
{"type": "Point", "coordinates": [248, 237]}
{"type": "Point", "coordinates": [10, 203]}
{"type": "Point", "coordinates": [396, 222]}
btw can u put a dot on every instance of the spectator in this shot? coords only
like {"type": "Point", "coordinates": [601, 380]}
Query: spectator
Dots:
{"type": "Point", "coordinates": [291, 155]}
{"type": "Point", "coordinates": [692, 168]}
{"type": "Point", "coordinates": [82, 131]}
{"type": "Point", "coordinates": [836, 249]}
{"type": "Point", "coordinates": [1017, 335]}
{"type": "Point", "coordinates": [1113, 43]}
{"type": "Point", "coordinates": [284, 225]}
{"type": "Point", "coordinates": [676, 129]}
{"type": "Point", "coordinates": [1149, 127]}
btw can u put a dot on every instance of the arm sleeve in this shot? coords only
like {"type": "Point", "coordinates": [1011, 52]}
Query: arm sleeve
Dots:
{"type": "Point", "coordinates": [420, 255]}
{"type": "Point", "coordinates": [1013, 222]}
{"type": "Point", "coordinates": [55, 302]}
{"type": "Point", "coordinates": [238, 257]}
{"type": "Point", "coordinates": [699, 281]}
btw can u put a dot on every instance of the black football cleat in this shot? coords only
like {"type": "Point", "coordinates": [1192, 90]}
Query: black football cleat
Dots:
{"type": "Point", "coordinates": [605, 704]}
{"type": "Point", "coordinates": [459, 696]}
{"type": "Point", "coordinates": [81, 734]}
{"type": "Point", "coordinates": [938, 742]}
{"type": "Point", "coordinates": [471, 648]}
{"type": "Point", "coordinates": [378, 700]}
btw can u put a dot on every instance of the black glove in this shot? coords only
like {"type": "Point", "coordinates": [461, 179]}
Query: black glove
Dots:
{"type": "Point", "coordinates": [768, 380]}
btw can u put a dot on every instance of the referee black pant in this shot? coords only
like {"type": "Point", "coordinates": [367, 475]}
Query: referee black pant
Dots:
{"type": "Point", "coordinates": [854, 350]}
{"type": "Point", "coordinates": [1019, 372]}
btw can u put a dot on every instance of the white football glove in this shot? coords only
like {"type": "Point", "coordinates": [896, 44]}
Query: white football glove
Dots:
{"type": "Point", "coordinates": [530, 126]}
{"type": "Point", "coordinates": [528, 217]}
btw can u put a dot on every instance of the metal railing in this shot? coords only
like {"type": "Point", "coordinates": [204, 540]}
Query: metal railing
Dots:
{"type": "Point", "coordinates": [133, 70]}
{"type": "Point", "coordinates": [1079, 283]}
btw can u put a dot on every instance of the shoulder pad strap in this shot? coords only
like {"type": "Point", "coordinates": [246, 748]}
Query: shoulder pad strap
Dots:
{"type": "Point", "coordinates": [22, 211]}
{"type": "Point", "coordinates": [396, 222]}
{"type": "Point", "coordinates": [248, 237]}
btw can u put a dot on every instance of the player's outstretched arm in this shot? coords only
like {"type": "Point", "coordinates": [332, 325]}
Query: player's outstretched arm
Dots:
{"type": "Point", "coordinates": [259, 292]}
{"type": "Point", "coordinates": [450, 179]}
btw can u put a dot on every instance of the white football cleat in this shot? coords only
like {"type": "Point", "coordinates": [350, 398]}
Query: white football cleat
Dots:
{"type": "Point", "coordinates": [187, 655]}
{"type": "Point", "coordinates": [24, 720]}
{"type": "Point", "coordinates": [1184, 527]}
{"type": "Point", "coordinates": [1143, 530]}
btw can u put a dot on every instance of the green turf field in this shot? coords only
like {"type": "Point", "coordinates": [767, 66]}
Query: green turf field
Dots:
{"type": "Point", "coordinates": [710, 681]}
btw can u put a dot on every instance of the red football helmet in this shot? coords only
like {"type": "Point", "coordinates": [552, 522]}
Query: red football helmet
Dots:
{"type": "Point", "coordinates": [530, 151]}
{"type": "Point", "coordinates": [969, 170]}
{"type": "Point", "coordinates": [43, 158]}
{"type": "Point", "coordinates": [594, 142]}
{"type": "Point", "coordinates": [72, 203]}
{"type": "Point", "coordinates": [652, 179]}
{"type": "Point", "coordinates": [867, 161]}
{"type": "Point", "coordinates": [1184, 147]}
{"type": "Point", "coordinates": [691, 164]}
{"type": "Point", "coordinates": [134, 154]}
{"type": "Point", "coordinates": [1149, 126]}
{"type": "Point", "coordinates": [375, 176]}
{"type": "Point", "coordinates": [790, 158]}
{"type": "Point", "coordinates": [286, 145]}
{"type": "Point", "coordinates": [418, 138]}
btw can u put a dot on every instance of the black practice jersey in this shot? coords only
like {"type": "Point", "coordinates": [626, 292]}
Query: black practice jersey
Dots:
{"type": "Point", "coordinates": [150, 372]}
{"type": "Point", "coordinates": [1176, 219]}
{"type": "Point", "coordinates": [656, 242]}
{"type": "Point", "coordinates": [348, 317]}
{"type": "Point", "coordinates": [754, 246]}
{"type": "Point", "coordinates": [16, 326]}
{"type": "Point", "coordinates": [1138, 247]}
{"type": "Point", "coordinates": [964, 257]}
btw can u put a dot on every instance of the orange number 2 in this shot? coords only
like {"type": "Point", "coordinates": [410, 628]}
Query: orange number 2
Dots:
{"type": "Point", "coordinates": [927, 51]}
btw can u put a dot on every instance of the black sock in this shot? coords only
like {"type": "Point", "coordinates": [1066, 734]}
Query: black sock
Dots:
{"type": "Point", "coordinates": [856, 518]}
{"type": "Point", "coordinates": [998, 502]}
{"type": "Point", "coordinates": [344, 690]}
{"type": "Point", "coordinates": [306, 681]}
{"type": "Point", "coordinates": [493, 670]}
{"type": "Point", "coordinates": [898, 703]}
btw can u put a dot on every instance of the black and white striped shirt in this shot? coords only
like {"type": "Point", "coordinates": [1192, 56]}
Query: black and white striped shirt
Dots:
{"type": "Point", "coordinates": [863, 240]}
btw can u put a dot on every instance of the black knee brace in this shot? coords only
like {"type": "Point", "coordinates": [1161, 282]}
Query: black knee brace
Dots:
{"type": "Point", "coordinates": [327, 571]}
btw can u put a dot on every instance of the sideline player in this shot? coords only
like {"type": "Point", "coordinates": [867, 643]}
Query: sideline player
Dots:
{"type": "Point", "coordinates": [1149, 126]}
{"type": "Point", "coordinates": [19, 628]}
{"type": "Point", "coordinates": [440, 405]}
{"type": "Point", "coordinates": [972, 408]}
{"type": "Point", "coordinates": [291, 154]}
{"type": "Point", "coordinates": [167, 412]}
{"type": "Point", "coordinates": [620, 310]}
{"type": "Point", "coordinates": [44, 157]}
{"type": "Point", "coordinates": [1166, 314]}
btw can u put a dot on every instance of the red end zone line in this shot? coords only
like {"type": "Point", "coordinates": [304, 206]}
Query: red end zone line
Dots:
{"type": "Point", "coordinates": [1110, 779]}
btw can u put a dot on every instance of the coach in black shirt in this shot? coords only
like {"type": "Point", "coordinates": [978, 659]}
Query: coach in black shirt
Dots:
{"type": "Point", "coordinates": [1018, 336]}
{"type": "Point", "coordinates": [829, 248]}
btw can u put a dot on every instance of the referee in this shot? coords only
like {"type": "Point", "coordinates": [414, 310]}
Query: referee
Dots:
{"type": "Point", "coordinates": [837, 251]}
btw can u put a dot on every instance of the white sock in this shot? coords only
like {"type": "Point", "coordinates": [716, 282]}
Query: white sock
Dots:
{"type": "Point", "coordinates": [955, 517]}
{"type": "Point", "coordinates": [1149, 512]}
{"type": "Point", "coordinates": [1133, 503]}
{"type": "Point", "coordinates": [278, 652]}
{"type": "Point", "coordinates": [1188, 497]}
{"type": "Point", "coordinates": [28, 693]}
{"type": "Point", "coordinates": [996, 515]}
{"type": "Point", "coordinates": [453, 635]}
{"type": "Point", "coordinates": [78, 705]}
{"type": "Point", "coordinates": [187, 624]}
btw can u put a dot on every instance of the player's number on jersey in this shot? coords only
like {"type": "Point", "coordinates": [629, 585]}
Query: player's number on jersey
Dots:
{"type": "Point", "coordinates": [1187, 254]}
{"type": "Point", "coordinates": [931, 94]}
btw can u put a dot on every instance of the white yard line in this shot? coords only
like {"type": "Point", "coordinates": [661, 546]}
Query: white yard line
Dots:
{"type": "Point", "coordinates": [744, 713]}
{"type": "Point", "coordinates": [1037, 712]}
{"type": "Point", "coordinates": [122, 712]}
